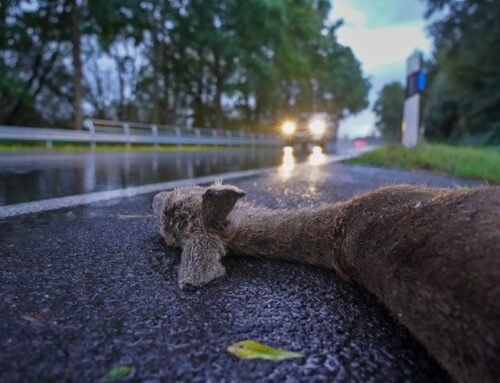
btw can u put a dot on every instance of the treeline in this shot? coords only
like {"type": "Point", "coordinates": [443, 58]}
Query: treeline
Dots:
{"type": "Point", "coordinates": [206, 63]}
{"type": "Point", "coordinates": [462, 101]}
{"type": "Point", "coordinates": [388, 110]}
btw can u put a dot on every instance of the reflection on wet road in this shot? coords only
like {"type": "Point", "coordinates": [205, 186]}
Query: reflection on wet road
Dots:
{"type": "Point", "coordinates": [291, 157]}
{"type": "Point", "coordinates": [288, 161]}
{"type": "Point", "coordinates": [36, 176]}
{"type": "Point", "coordinates": [317, 157]}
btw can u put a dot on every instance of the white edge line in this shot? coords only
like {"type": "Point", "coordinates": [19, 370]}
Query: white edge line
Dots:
{"type": "Point", "coordinates": [82, 199]}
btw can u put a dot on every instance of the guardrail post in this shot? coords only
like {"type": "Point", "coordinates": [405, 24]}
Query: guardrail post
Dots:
{"type": "Point", "coordinates": [178, 135]}
{"type": "Point", "coordinates": [197, 132]}
{"type": "Point", "coordinates": [126, 132]}
{"type": "Point", "coordinates": [242, 135]}
{"type": "Point", "coordinates": [48, 144]}
{"type": "Point", "coordinates": [214, 134]}
{"type": "Point", "coordinates": [89, 125]}
{"type": "Point", "coordinates": [154, 132]}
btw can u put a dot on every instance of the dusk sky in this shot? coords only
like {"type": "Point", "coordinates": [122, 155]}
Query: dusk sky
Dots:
{"type": "Point", "coordinates": [382, 34]}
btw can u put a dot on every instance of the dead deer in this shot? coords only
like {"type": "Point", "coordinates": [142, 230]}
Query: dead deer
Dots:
{"type": "Point", "coordinates": [432, 256]}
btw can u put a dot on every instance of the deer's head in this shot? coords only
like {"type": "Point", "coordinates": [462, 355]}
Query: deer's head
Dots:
{"type": "Point", "coordinates": [192, 218]}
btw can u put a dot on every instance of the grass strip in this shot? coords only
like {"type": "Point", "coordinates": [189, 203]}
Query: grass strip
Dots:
{"type": "Point", "coordinates": [461, 161]}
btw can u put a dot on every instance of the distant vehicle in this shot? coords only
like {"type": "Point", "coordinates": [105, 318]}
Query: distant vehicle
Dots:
{"type": "Point", "coordinates": [360, 143]}
{"type": "Point", "coordinates": [307, 129]}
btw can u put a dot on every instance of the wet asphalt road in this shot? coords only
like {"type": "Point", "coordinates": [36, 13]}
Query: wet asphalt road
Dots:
{"type": "Point", "coordinates": [26, 176]}
{"type": "Point", "coordinates": [86, 289]}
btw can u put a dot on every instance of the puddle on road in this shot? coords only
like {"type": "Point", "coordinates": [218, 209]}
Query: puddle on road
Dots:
{"type": "Point", "coordinates": [36, 176]}
{"type": "Point", "coordinates": [26, 177]}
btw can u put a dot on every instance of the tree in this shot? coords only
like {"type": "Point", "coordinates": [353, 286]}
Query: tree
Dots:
{"type": "Point", "coordinates": [76, 36]}
{"type": "Point", "coordinates": [464, 96]}
{"type": "Point", "coordinates": [389, 111]}
{"type": "Point", "coordinates": [207, 63]}
{"type": "Point", "coordinates": [32, 49]}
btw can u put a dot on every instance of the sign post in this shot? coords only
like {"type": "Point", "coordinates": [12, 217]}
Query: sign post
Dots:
{"type": "Point", "coordinates": [415, 84]}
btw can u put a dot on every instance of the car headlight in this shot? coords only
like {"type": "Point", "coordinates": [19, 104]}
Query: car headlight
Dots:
{"type": "Point", "coordinates": [317, 127]}
{"type": "Point", "coordinates": [288, 127]}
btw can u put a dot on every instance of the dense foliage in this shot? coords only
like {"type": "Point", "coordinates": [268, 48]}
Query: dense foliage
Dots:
{"type": "Point", "coordinates": [463, 100]}
{"type": "Point", "coordinates": [388, 110]}
{"type": "Point", "coordinates": [208, 63]}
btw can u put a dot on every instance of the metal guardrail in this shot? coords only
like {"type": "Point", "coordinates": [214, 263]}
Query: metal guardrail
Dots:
{"type": "Point", "coordinates": [104, 131]}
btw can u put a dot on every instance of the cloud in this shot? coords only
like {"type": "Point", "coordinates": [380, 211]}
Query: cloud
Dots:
{"type": "Point", "coordinates": [377, 47]}
{"type": "Point", "coordinates": [352, 17]}
{"type": "Point", "coordinates": [382, 34]}
{"type": "Point", "coordinates": [379, 13]}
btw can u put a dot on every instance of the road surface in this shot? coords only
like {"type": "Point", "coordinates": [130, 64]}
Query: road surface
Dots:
{"type": "Point", "coordinates": [29, 176]}
{"type": "Point", "coordinates": [89, 288]}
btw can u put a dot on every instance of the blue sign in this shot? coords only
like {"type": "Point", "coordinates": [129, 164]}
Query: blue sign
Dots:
{"type": "Point", "coordinates": [420, 81]}
{"type": "Point", "coordinates": [415, 83]}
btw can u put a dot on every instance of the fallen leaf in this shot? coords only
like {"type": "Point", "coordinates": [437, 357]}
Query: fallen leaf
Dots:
{"type": "Point", "coordinates": [118, 373]}
{"type": "Point", "coordinates": [249, 349]}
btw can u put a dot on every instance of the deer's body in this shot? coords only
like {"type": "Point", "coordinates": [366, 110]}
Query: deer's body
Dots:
{"type": "Point", "coordinates": [432, 256]}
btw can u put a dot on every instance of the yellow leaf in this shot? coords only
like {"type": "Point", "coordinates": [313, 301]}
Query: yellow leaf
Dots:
{"type": "Point", "coordinates": [118, 373]}
{"type": "Point", "coordinates": [249, 349]}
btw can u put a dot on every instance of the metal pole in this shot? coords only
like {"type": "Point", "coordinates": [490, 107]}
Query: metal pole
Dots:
{"type": "Point", "coordinates": [126, 131]}
{"type": "Point", "coordinates": [154, 131]}
{"type": "Point", "coordinates": [89, 125]}
{"type": "Point", "coordinates": [178, 135]}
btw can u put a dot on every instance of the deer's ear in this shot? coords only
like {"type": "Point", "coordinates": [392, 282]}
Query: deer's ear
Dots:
{"type": "Point", "coordinates": [218, 201]}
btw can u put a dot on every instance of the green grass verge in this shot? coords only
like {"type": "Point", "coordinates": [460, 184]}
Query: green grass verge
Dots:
{"type": "Point", "coordinates": [467, 162]}
{"type": "Point", "coordinates": [10, 146]}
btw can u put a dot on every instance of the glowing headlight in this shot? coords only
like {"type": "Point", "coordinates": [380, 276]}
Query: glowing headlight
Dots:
{"type": "Point", "coordinates": [317, 127]}
{"type": "Point", "coordinates": [288, 127]}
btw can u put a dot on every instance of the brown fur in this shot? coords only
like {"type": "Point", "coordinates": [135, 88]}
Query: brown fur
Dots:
{"type": "Point", "coordinates": [432, 256]}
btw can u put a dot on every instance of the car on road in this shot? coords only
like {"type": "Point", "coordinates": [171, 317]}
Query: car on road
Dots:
{"type": "Point", "coordinates": [305, 130]}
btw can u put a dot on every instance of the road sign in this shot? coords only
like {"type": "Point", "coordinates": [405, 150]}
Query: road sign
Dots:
{"type": "Point", "coordinates": [415, 84]}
